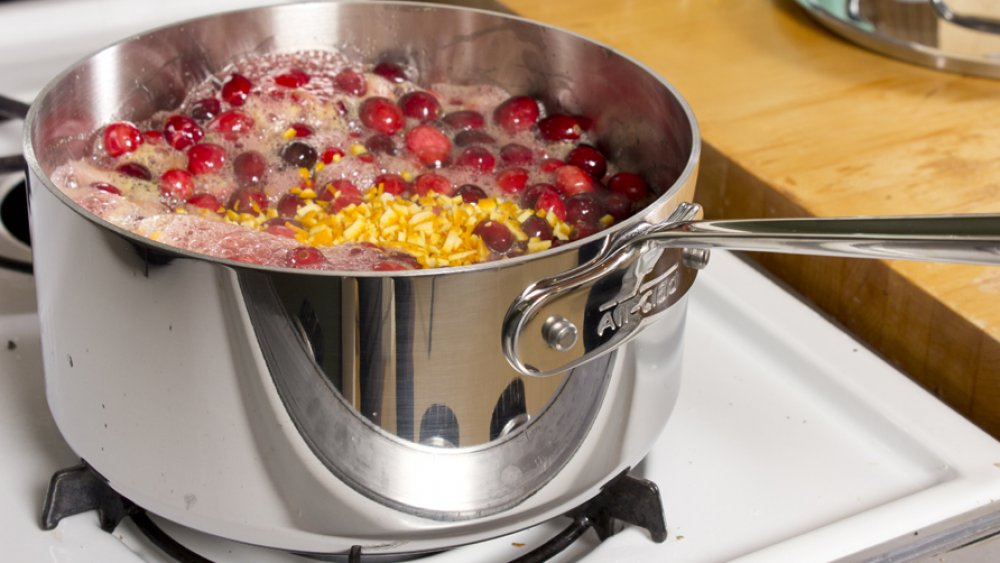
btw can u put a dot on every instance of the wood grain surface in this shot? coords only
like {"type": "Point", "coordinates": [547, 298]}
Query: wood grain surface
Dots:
{"type": "Point", "coordinates": [798, 122]}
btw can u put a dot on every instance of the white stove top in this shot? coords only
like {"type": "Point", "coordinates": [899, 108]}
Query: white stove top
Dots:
{"type": "Point", "coordinates": [790, 440]}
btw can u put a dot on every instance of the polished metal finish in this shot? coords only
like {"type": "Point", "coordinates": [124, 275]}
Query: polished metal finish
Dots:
{"type": "Point", "coordinates": [560, 333]}
{"type": "Point", "coordinates": [696, 258]}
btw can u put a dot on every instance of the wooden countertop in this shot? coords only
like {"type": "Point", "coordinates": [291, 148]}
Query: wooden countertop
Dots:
{"type": "Point", "coordinates": [796, 122]}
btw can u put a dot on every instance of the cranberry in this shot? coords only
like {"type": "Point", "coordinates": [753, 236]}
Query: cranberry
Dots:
{"type": "Point", "coordinates": [473, 137]}
{"type": "Point", "coordinates": [206, 109]}
{"type": "Point", "coordinates": [304, 256]}
{"type": "Point", "coordinates": [583, 230]}
{"type": "Point", "coordinates": [572, 180]}
{"type": "Point", "coordinates": [390, 71]}
{"type": "Point", "coordinates": [345, 200]}
{"type": "Point", "coordinates": [205, 201]}
{"type": "Point", "coordinates": [248, 200]}
{"type": "Point", "coordinates": [512, 180]}
{"type": "Point", "coordinates": [420, 105]}
{"type": "Point", "coordinates": [585, 123]}
{"type": "Point", "coordinates": [181, 131]}
{"type": "Point", "coordinates": [121, 137]}
{"type": "Point", "coordinates": [470, 193]}
{"type": "Point", "coordinates": [553, 203]}
{"type": "Point", "coordinates": [288, 205]}
{"type": "Point", "coordinates": [205, 158]}
{"type": "Point", "coordinates": [340, 186]}
{"type": "Point", "coordinates": [382, 115]}
{"type": "Point", "coordinates": [236, 90]}
{"type": "Point", "coordinates": [250, 169]}
{"type": "Point", "coordinates": [301, 130]}
{"type": "Point", "coordinates": [177, 183]}
{"type": "Point", "coordinates": [350, 82]}
{"type": "Point", "coordinates": [428, 144]}
{"type": "Point", "coordinates": [381, 143]}
{"type": "Point", "coordinates": [299, 154]}
{"type": "Point", "coordinates": [135, 170]}
{"type": "Point", "coordinates": [516, 155]}
{"type": "Point", "coordinates": [389, 266]}
{"type": "Point", "coordinates": [530, 195]}
{"type": "Point", "coordinates": [516, 114]}
{"type": "Point", "coordinates": [106, 187]}
{"type": "Point", "coordinates": [426, 183]}
{"type": "Point", "coordinates": [464, 120]}
{"type": "Point", "coordinates": [583, 209]}
{"type": "Point", "coordinates": [294, 78]}
{"type": "Point", "coordinates": [559, 127]}
{"type": "Point", "coordinates": [550, 165]}
{"type": "Point", "coordinates": [629, 185]}
{"type": "Point", "coordinates": [405, 259]}
{"type": "Point", "coordinates": [477, 158]}
{"type": "Point", "coordinates": [391, 183]}
{"type": "Point", "coordinates": [589, 159]}
{"type": "Point", "coordinates": [279, 226]}
{"type": "Point", "coordinates": [330, 153]}
{"type": "Point", "coordinates": [154, 138]}
{"type": "Point", "coordinates": [535, 226]}
{"type": "Point", "coordinates": [619, 206]}
{"type": "Point", "coordinates": [232, 123]}
{"type": "Point", "coordinates": [496, 236]}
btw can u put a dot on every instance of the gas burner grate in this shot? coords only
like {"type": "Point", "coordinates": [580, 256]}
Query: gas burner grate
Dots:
{"type": "Point", "coordinates": [624, 500]}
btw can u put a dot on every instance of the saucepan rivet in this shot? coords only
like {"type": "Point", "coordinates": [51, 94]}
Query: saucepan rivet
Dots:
{"type": "Point", "coordinates": [696, 258]}
{"type": "Point", "coordinates": [559, 333]}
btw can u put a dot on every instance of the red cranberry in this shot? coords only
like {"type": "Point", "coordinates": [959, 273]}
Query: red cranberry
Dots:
{"type": "Point", "coordinates": [350, 82]}
{"type": "Point", "coordinates": [512, 180]}
{"type": "Point", "coordinates": [391, 183]}
{"type": "Point", "coordinates": [288, 205]}
{"type": "Point", "coordinates": [382, 115]}
{"type": "Point", "coordinates": [426, 183]}
{"type": "Point", "coordinates": [535, 226]}
{"type": "Point", "coordinates": [340, 186]}
{"type": "Point", "coordinates": [250, 169]}
{"type": "Point", "coordinates": [106, 187]}
{"type": "Point", "coordinates": [572, 180]}
{"type": "Point", "coordinates": [496, 236]}
{"type": "Point", "coordinates": [470, 193]}
{"type": "Point", "coordinates": [530, 195]}
{"type": "Point", "coordinates": [389, 266]}
{"type": "Point", "coordinates": [516, 155]}
{"type": "Point", "coordinates": [248, 200]}
{"type": "Point", "coordinates": [583, 230]}
{"type": "Point", "coordinates": [301, 130]}
{"type": "Point", "coordinates": [619, 206]}
{"type": "Point", "coordinates": [585, 123]}
{"type": "Point", "coordinates": [299, 154]}
{"type": "Point", "coordinates": [583, 208]}
{"type": "Point", "coordinates": [420, 105]}
{"type": "Point", "coordinates": [473, 137]}
{"type": "Point", "coordinates": [516, 114]}
{"type": "Point", "coordinates": [181, 132]}
{"type": "Point", "coordinates": [279, 226]}
{"type": "Point", "coordinates": [121, 137]}
{"type": "Point", "coordinates": [232, 123]}
{"type": "Point", "coordinates": [589, 159]}
{"type": "Point", "coordinates": [390, 71]}
{"type": "Point", "coordinates": [550, 165]}
{"type": "Point", "coordinates": [405, 259]}
{"type": "Point", "coordinates": [629, 185]}
{"type": "Point", "coordinates": [236, 90]}
{"type": "Point", "coordinates": [304, 256]}
{"type": "Point", "coordinates": [205, 158]}
{"type": "Point", "coordinates": [294, 78]}
{"type": "Point", "coordinates": [345, 200]}
{"type": "Point", "coordinates": [559, 127]}
{"type": "Point", "coordinates": [177, 183]}
{"type": "Point", "coordinates": [477, 158]}
{"type": "Point", "coordinates": [206, 109]}
{"type": "Point", "coordinates": [134, 170]}
{"type": "Point", "coordinates": [428, 144]}
{"type": "Point", "coordinates": [553, 203]}
{"type": "Point", "coordinates": [205, 201]}
{"type": "Point", "coordinates": [464, 120]}
{"type": "Point", "coordinates": [329, 154]}
{"type": "Point", "coordinates": [381, 143]}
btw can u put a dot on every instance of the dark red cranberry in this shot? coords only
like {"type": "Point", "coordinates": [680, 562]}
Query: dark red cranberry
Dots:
{"type": "Point", "coordinates": [559, 127]}
{"type": "Point", "coordinates": [428, 144]}
{"type": "Point", "coordinates": [106, 187]}
{"type": "Point", "coordinates": [280, 226]}
{"type": "Point", "coordinates": [381, 143]}
{"type": "Point", "coordinates": [250, 169]}
{"type": "Point", "coordinates": [516, 155]}
{"type": "Point", "coordinates": [572, 180]}
{"type": "Point", "coordinates": [583, 230]}
{"type": "Point", "coordinates": [206, 109]}
{"type": "Point", "coordinates": [470, 193]}
{"type": "Point", "coordinates": [232, 123]}
{"type": "Point", "coordinates": [420, 105]}
{"type": "Point", "coordinates": [205, 158]}
{"type": "Point", "coordinates": [288, 205]}
{"type": "Point", "coordinates": [350, 82]}
{"type": "Point", "coordinates": [248, 200]}
{"type": "Point", "coordinates": [530, 195]}
{"type": "Point", "coordinates": [134, 170]}
{"type": "Point", "coordinates": [553, 203]}
{"type": "Point", "coordinates": [535, 226]}
{"type": "Point", "coordinates": [585, 123]}
{"type": "Point", "coordinates": [121, 137]}
{"type": "Point", "coordinates": [496, 236]}
{"type": "Point", "coordinates": [516, 114]}
{"type": "Point", "coordinates": [512, 180]}
{"type": "Point", "coordinates": [426, 183]}
{"type": "Point", "coordinates": [473, 137]}
{"type": "Point", "coordinates": [304, 256]}
{"type": "Point", "coordinates": [551, 165]}
{"type": "Point", "coordinates": [583, 208]}
{"type": "Point", "coordinates": [177, 183]}
{"type": "Point", "coordinates": [294, 78]}
{"type": "Point", "coordinates": [589, 159]}
{"type": "Point", "coordinates": [181, 131]}
{"type": "Point", "coordinates": [389, 266]}
{"type": "Point", "coordinates": [477, 158]}
{"type": "Point", "coordinates": [629, 185]}
{"type": "Point", "coordinates": [382, 115]}
{"type": "Point", "coordinates": [464, 120]}
{"type": "Point", "coordinates": [390, 71]}
{"type": "Point", "coordinates": [618, 205]}
{"type": "Point", "coordinates": [330, 154]}
{"type": "Point", "coordinates": [236, 90]}
{"type": "Point", "coordinates": [301, 130]}
{"type": "Point", "coordinates": [391, 183]}
{"type": "Point", "coordinates": [299, 154]}
{"type": "Point", "coordinates": [205, 201]}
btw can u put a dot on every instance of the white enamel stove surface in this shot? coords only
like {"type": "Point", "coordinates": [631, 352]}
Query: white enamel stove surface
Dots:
{"type": "Point", "coordinates": [790, 441]}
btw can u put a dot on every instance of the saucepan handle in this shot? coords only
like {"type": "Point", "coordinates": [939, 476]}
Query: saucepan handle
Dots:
{"type": "Point", "coordinates": [15, 254]}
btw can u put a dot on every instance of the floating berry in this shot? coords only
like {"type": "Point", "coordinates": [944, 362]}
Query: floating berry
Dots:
{"type": "Point", "coordinates": [382, 115]}
{"type": "Point", "coordinates": [345, 200]}
{"type": "Point", "coordinates": [629, 185]}
{"type": "Point", "coordinates": [618, 206]}
{"type": "Point", "coordinates": [550, 165]}
{"type": "Point", "coordinates": [299, 154]}
{"type": "Point", "coordinates": [121, 137]}
{"type": "Point", "coordinates": [288, 205]}
{"type": "Point", "coordinates": [350, 82]}
{"type": "Point", "coordinates": [391, 183]}
{"type": "Point", "coordinates": [330, 154]}
{"type": "Point", "coordinates": [512, 180]}
{"type": "Point", "coordinates": [464, 120]}
{"type": "Point", "coordinates": [279, 226]}
{"type": "Point", "coordinates": [294, 78]}
{"type": "Point", "coordinates": [516, 155]}
{"type": "Point", "coordinates": [572, 180]}
{"type": "Point", "coordinates": [304, 256]}
{"type": "Point", "coordinates": [535, 226]}
{"type": "Point", "coordinates": [426, 183]}
{"type": "Point", "coordinates": [530, 195]}
{"type": "Point", "coordinates": [420, 105]}
{"type": "Point", "coordinates": [236, 90]}
{"type": "Point", "coordinates": [428, 144]}
{"type": "Point", "coordinates": [552, 203]}
{"type": "Point", "coordinates": [583, 209]}
{"type": "Point", "coordinates": [340, 186]}
{"type": "Point", "coordinates": [206, 158]}
{"type": "Point", "coordinates": [248, 200]}
{"type": "Point", "coordinates": [470, 193]}
{"type": "Point", "coordinates": [583, 230]}
{"type": "Point", "coordinates": [205, 201]}
{"type": "Point", "coordinates": [516, 114]}
{"type": "Point", "coordinates": [181, 131]}
{"type": "Point", "coordinates": [206, 109]}
{"type": "Point", "coordinates": [477, 158]}
{"type": "Point", "coordinates": [559, 127]}
{"type": "Point", "coordinates": [496, 236]}
{"type": "Point", "coordinates": [250, 169]}
{"type": "Point", "coordinates": [473, 137]}
{"type": "Point", "coordinates": [301, 130]}
{"type": "Point", "coordinates": [390, 71]}
{"type": "Point", "coordinates": [106, 187]}
{"type": "Point", "coordinates": [589, 159]}
{"type": "Point", "coordinates": [381, 143]}
{"type": "Point", "coordinates": [177, 184]}
{"type": "Point", "coordinates": [134, 170]}
{"type": "Point", "coordinates": [232, 123]}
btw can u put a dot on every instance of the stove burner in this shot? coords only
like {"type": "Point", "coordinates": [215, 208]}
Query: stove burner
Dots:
{"type": "Point", "coordinates": [624, 500]}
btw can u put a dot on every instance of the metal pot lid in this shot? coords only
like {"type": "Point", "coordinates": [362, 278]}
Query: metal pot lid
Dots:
{"type": "Point", "coordinates": [961, 36]}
